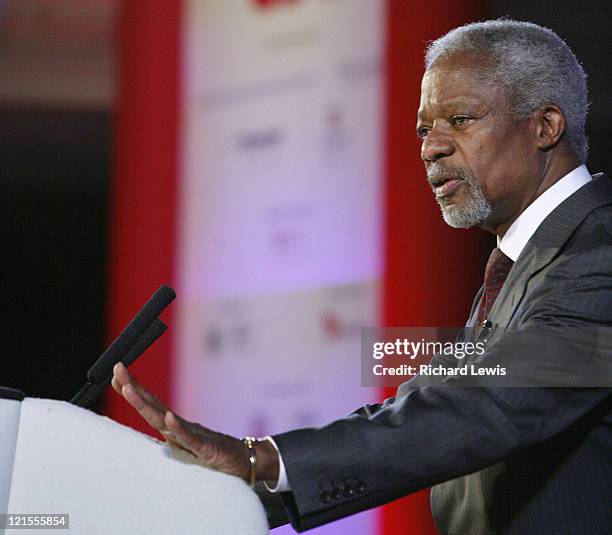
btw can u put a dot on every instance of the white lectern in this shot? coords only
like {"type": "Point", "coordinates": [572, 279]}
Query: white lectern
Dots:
{"type": "Point", "coordinates": [56, 458]}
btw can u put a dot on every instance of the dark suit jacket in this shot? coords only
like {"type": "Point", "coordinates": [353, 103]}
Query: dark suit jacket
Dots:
{"type": "Point", "coordinates": [503, 460]}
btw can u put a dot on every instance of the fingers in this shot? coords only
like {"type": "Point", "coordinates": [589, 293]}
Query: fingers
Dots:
{"type": "Point", "coordinates": [149, 411]}
{"type": "Point", "coordinates": [118, 380]}
{"type": "Point", "coordinates": [215, 450]}
{"type": "Point", "coordinates": [116, 386]}
{"type": "Point", "coordinates": [172, 442]}
{"type": "Point", "coordinates": [181, 434]}
{"type": "Point", "coordinates": [121, 378]}
{"type": "Point", "coordinates": [210, 449]}
{"type": "Point", "coordinates": [148, 406]}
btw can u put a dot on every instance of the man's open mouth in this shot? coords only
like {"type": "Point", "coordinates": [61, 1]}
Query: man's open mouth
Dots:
{"type": "Point", "coordinates": [445, 186]}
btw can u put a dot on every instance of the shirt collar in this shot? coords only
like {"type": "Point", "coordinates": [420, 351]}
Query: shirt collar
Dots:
{"type": "Point", "coordinates": [525, 225]}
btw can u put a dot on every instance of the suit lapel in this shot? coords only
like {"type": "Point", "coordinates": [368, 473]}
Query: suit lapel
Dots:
{"type": "Point", "coordinates": [547, 242]}
{"type": "Point", "coordinates": [471, 322]}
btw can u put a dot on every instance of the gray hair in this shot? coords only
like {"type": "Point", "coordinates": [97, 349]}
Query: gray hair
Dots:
{"type": "Point", "coordinates": [534, 65]}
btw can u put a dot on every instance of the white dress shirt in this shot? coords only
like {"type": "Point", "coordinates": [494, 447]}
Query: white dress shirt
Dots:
{"type": "Point", "coordinates": [282, 485]}
{"type": "Point", "coordinates": [512, 244]}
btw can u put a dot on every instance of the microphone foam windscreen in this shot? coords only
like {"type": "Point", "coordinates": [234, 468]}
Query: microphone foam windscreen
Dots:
{"type": "Point", "coordinates": [130, 336]}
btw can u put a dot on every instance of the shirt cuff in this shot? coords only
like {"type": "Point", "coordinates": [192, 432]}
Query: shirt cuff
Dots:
{"type": "Point", "coordinates": [282, 485]}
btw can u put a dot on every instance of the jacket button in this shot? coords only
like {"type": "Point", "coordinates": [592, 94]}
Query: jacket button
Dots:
{"type": "Point", "coordinates": [348, 491]}
{"type": "Point", "coordinates": [359, 486]}
{"type": "Point", "coordinates": [324, 496]}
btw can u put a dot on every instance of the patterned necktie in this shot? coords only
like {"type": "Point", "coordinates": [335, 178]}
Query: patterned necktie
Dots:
{"type": "Point", "coordinates": [497, 270]}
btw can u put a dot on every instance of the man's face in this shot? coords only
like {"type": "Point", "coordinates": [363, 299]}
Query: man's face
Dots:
{"type": "Point", "coordinates": [480, 161]}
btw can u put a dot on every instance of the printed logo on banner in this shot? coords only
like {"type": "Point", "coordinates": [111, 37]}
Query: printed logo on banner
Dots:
{"type": "Point", "coordinates": [288, 232]}
{"type": "Point", "coordinates": [228, 332]}
{"type": "Point", "coordinates": [264, 138]}
{"type": "Point", "coordinates": [266, 4]}
{"type": "Point", "coordinates": [335, 138]}
{"type": "Point", "coordinates": [285, 85]}
{"type": "Point", "coordinates": [287, 242]}
{"type": "Point", "coordinates": [344, 310]}
{"type": "Point", "coordinates": [336, 327]}
{"type": "Point", "coordinates": [358, 69]}
{"type": "Point", "coordinates": [228, 338]}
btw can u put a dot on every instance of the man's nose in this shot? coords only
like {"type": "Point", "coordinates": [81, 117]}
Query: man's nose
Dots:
{"type": "Point", "coordinates": [437, 145]}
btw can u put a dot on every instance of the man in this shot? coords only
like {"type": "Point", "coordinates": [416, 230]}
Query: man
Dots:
{"type": "Point", "coordinates": [501, 118]}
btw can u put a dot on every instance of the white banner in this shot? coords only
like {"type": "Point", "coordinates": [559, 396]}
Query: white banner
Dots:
{"type": "Point", "coordinates": [280, 213]}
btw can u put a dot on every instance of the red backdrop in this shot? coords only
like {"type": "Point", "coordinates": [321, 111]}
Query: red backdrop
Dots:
{"type": "Point", "coordinates": [144, 180]}
{"type": "Point", "coordinates": [432, 271]}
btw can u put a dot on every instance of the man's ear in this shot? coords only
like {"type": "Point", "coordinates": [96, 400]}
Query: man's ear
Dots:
{"type": "Point", "coordinates": [550, 126]}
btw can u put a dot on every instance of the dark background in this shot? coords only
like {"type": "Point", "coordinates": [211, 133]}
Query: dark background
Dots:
{"type": "Point", "coordinates": [54, 190]}
{"type": "Point", "coordinates": [55, 178]}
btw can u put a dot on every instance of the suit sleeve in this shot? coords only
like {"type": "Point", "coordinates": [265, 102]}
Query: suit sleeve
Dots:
{"type": "Point", "coordinates": [273, 505]}
{"type": "Point", "coordinates": [430, 434]}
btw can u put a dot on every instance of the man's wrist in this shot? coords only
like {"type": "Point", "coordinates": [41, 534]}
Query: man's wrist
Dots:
{"type": "Point", "coordinates": [267, 462]}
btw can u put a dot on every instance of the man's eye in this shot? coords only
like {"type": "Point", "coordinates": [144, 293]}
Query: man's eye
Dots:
{"type": "Point", "coordinates": [422, 132]}
{"type": "Point", "coordinates": [460, 120]}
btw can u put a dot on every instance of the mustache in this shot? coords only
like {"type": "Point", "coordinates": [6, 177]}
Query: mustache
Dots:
{"type": "Point", "coordinates": [437, 172]}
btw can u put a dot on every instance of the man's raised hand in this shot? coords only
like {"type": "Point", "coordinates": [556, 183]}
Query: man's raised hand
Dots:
{"type": "Point", "coordinates": [212, 449]}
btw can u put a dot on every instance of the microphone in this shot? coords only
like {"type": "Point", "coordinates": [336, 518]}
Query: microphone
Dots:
{"type": "Point", "coordinates": [90, 392]}
{"type": "Point", "coordinates": [139, 334]}
{"type": "Point", "coordinates": [157, 328]}
{"type": "Point", "coordinates": [131, 334]}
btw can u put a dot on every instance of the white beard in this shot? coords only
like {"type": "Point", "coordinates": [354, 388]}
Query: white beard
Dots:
{"type": "Point", "coordinates": [471, 214]}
